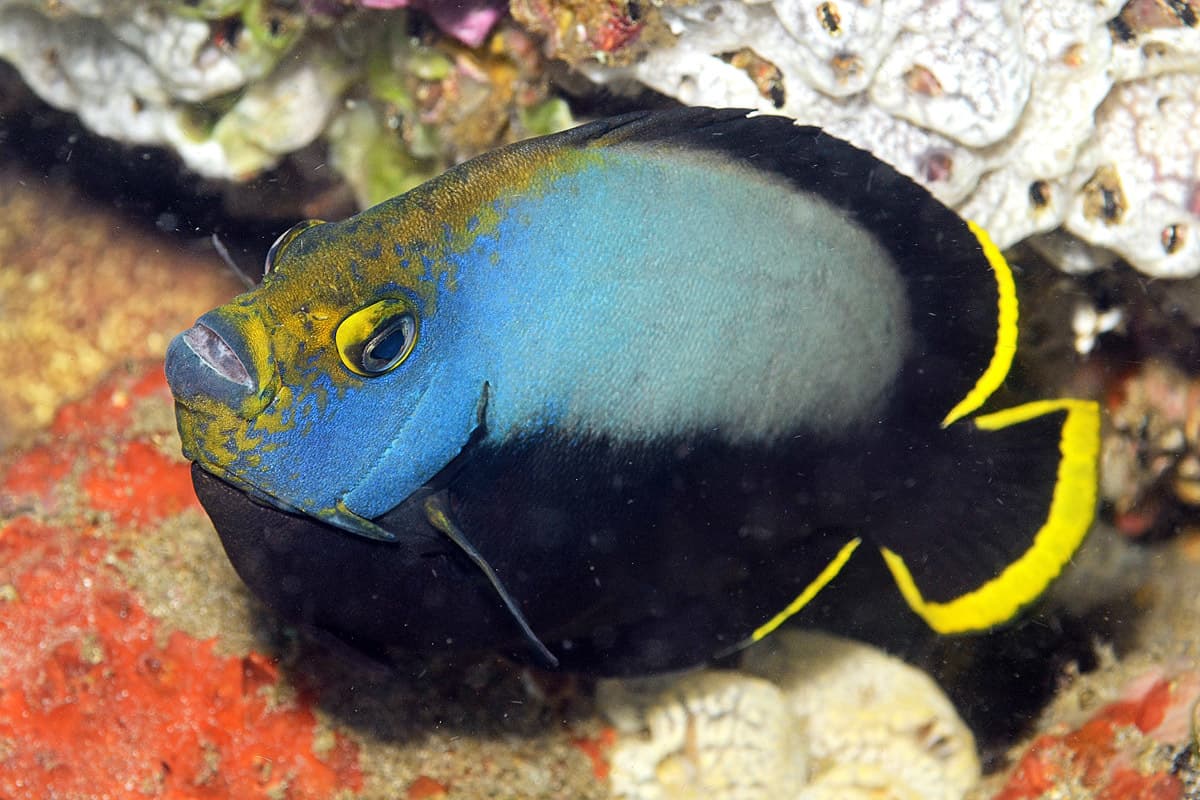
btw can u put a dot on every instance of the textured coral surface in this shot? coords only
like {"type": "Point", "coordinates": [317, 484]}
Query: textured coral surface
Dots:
{"type": "Point", "coordinates": [1125, 751]}
{"type": "Point", "coordinates": [1028, 117]}
{"type": "Point", "coordinates": [809, 716]}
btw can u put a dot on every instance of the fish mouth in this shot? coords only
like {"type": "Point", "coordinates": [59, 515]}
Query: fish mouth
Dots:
{"type": "Point", "coordinates": [217, 355]}
{"type": "Point", "coordinates": [213, 361]}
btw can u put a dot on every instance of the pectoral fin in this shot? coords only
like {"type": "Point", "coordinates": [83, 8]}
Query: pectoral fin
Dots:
{"type": "Point", "coordinates": [438, 513]}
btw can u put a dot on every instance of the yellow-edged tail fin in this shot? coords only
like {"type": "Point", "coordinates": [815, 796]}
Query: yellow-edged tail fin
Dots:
{"type": "Point", "coordinates": [1004, 513]}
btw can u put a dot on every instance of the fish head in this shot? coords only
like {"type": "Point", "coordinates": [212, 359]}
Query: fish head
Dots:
{"type": "Point", "coordinates": [311, 392]}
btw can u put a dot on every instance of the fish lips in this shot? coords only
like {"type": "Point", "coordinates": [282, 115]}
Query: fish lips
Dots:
{"type": "Point", "coordinates": [213, 361]}
{"type": "Point", "coordinates": [415, 592]}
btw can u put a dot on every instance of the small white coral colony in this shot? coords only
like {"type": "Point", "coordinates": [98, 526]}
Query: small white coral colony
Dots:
{"type": "Point", "coordinates": [133, 71]}
{"type": "Point", "coordinates": [1025, 116]}
{"type": "Point", "coordinates": [809, 716]}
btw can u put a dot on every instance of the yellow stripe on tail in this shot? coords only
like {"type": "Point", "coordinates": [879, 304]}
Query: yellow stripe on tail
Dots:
{"type": "Point", "coordinates": [1072, 509]}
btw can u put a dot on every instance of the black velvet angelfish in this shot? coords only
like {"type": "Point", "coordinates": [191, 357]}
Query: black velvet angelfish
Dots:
{"type": "Point", "coordinates": [626, 397]}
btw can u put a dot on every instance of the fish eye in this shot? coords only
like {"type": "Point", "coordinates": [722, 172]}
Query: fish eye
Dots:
{"type": "Point", "coordinates": [286, 238]}
{"type": "Point", "coordinates": [387, 347]}
{"type": "Point", "coordinates": [376, 339]}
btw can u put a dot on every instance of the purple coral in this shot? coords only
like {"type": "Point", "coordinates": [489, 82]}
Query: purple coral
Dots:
{"type": "Point", "coordinates": [469, 21]}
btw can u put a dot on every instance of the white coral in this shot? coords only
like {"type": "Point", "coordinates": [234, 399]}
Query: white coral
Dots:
{"type": "Point", "coordinates": [842, 43]}
{"type": "Point", "coordinates": [809, 716]}
{"type": "Point", "coordinates": [132, 72]}
{"type": "Point", "coordinates": [1140, 176]}
{"type": "Point", "coordinates": [998, 106]}
{"type": "Point", "coordinates": [931, 75]}
{"type": "Point", "coordinates": [704, 734]}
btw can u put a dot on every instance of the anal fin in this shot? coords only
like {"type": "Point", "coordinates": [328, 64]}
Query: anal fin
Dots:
{"type": "Point", "coordinates": [820, 580]}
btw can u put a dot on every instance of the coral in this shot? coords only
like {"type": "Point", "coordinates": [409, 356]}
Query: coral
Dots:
{"type": "Point", "coordinates": [432, 105]}
{"type": "Point", "coordinates": [611, 31]}
{"type": "Point", "coordinates": [1028, 117]}
{"type": "Point", "coordinates": [143, 74]}
{"type": "Point", "coordinates": [807, 716]}
{"type": "Point", "coordinates": [714, 733]}
{"type": "Point", "coordinates": [999, 108]}
{"type": "Point", "coordinates": [1155, 36]}
{"type": "Point", "coordinates": [374, 162]}
{"type": "Point", "coordinates": [930, 75]}
{"type": "Point", "coordinates": [1140, 175]}
{"type": "Point", "coordinates": [210, 80]}
{"type": "Point", "coordinates": [280, 114]}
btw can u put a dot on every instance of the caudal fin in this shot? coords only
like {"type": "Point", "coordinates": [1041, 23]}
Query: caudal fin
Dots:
{"type": "Point", "coordinates": [1009, 502]}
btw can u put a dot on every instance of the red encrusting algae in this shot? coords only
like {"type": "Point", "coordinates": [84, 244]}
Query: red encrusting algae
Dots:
{"type": "Point", "coordinates": [1101, 756]}
{"type": "Point", "coordinates": [426, 788]}
{"type": "Point", "coordinates": [89, 447]}
{"type": "Point", "coordinates": [97, 698]}
{"type": "Point", "coordinates": [140, 484]}
{"type": "Point", "coordinates": [618, 29]}
{"type": "Point", "coordinates": [597, 750]}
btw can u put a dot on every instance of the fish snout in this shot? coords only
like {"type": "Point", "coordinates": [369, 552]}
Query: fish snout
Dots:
{"type": "Point", "coordinates": [214, 360]}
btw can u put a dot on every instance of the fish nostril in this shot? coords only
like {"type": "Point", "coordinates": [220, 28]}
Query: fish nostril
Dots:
{"type": "Point", "coordinates": [208, 345]}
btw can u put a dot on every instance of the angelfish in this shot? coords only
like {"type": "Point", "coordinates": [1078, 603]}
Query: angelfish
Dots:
{"type": "Point", "coordinates": [626, 397]}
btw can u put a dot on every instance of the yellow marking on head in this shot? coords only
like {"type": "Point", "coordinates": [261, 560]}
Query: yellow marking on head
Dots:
{"type": "Point", "coordinates": [216, 436]}
{"type": "Point", "coordinates": [211, 432]}
{"type": "Point", "coordinates": [326, 272]}
{"type": "Point", "coordinates": [804, 598]}
{"type": "Point", "coordinates": [357, 331]}
{"type": "Point", "coordinates": [1072, 508]}
{"type": "Point", "coordinates": [410, 241]}
{"type": "Point", "coordinates": [471, 199]}
{"type": "Point", "coordinates": [1006, 330]}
